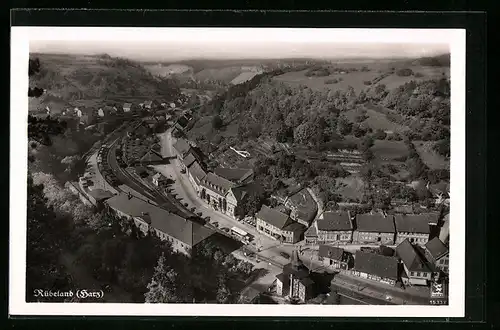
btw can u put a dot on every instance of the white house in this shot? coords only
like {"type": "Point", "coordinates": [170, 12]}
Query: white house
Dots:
{"type": "Point", "coordinates": [100, 112]}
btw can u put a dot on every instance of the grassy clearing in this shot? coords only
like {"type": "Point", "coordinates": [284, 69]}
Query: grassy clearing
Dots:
{"type": "Point", "coordinates": [389, 150]}
{"type": "Point", "coordinates": [432, 159]}
{"type": "Point", "coordinates": [375, 120]}
{"type": "Point", "coordinates": [165, 71]}
{"type": "Point", "coordinates": [354, 79]}
{"type": "Point", "coordinates": [351, 187]}
{"type": "Point", "coordinates": [394, 81]}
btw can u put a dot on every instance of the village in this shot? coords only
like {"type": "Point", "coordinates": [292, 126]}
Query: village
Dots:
{"type": "Point", "coordinates": [151, 173]}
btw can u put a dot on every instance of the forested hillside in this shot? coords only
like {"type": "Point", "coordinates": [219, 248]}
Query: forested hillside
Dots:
{"type": "Point", "coordinates": [73, 77]}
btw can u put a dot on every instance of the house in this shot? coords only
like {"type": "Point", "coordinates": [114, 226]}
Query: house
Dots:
{"type": "Point", "coordinates": [100, 112]}
{"type": "Point", "coordinates": [437, 253]}
{"type": "Point", "coordinates": [158, 179]}
{"type": "Point", "coordinates": [214, 189]}
{"type": "Point", "coordinates": [181, 123]}
{"type": "Point", "coordinates": [181, 148]}
{"type": "Point", "coordinates": [278, 225]}
{"type": "Point", "coordinates": [196, 174]}
{"type": "Point", "coordinates": [235, 175]}
{"type": "Point", "coordinates": [374, 229]}
{"type": "Point", "coordinates": [334, 228]}
{"type": "Point", "coordinates": [187, 161]}
{"type": "Point", "coordinates": [417, 269]}
{"type": "Point", "coordinates": [172, 105]}
{"type": "Point", "coordinates": [303, 207]}
{"type": "Point", "coordinates": [334, 257]}
{"type": "Point", "coordinates": [98, 196]}
{"type": "Point", "coordinates": [414, 227]}
{"type": "Point", "coordinates": [238, 194]}
{"type": "Point", "coordinates": [77, 112]}
{"type": "Point", "coordinates": [311, 235]}
{"type": "Point", "coordinates": [376, 267]}
{"type": "Point", "coordinates": [151, 158]}
{"type": "Point", "coordinates": [294, 282]}
{"type": "Point", "coordinates": [183, 234]}
{"type": "Point", "coordinates": [127, 107]}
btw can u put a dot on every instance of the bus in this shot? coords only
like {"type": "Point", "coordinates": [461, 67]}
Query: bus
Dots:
{"type": "Point", "coordinates": [241, 234]}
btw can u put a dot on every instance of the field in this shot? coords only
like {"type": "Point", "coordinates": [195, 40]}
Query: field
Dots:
{"type": "Point", "coordinates": [351, 187]}
{"type": "Point", "coordinates": [244, 76]}
{"type": "Point", "coordinates": [375, 120]}
{"type": "Point", "coordinates": [389, 150]}
{"type": "Point", "coordinates": [357, 79]}
{"type": "Point", "coordinates": [354, 79]}
{"type": "Point", "coordinates": [164, 71]}
{"type": "Point", "coordinates": [432, 159]}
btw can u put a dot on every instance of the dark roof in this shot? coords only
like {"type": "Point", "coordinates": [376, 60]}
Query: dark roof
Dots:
{"type": "Point", "coordinates": [332, 252]}
{"type": "Point", "coordinates": [375, 223]}
{"type": "Point", "coordinates": [311, 232]}
{"type": "Point", "coordinates": [306, 281]}
{"type": "Point", "coordinates": [304, 203]}
{"type": "Point", "coordinates": [100, 194]}
{"type": "Point", "coordinates": [151, 156]}
{"type": "Point", "coordinates": [240, 192]}
{"type": "Point", "coordinates": [189, 160]}
{"type": "Point", "coordinates": [335, 221]}
{"type": "Point", "coordinates": [182, 121]}
{"type": "Point", "coordinates": [436, 248]}
{"type": "Point", "coordinates": [376, 264]}
{"type": "Point", "coordinates": [216, 183]}
{"type": "Point", "coordinates": [182, 146]}
{"type": "Point", "coordinates": [412, 223]}
{"type": "Point", "coordinates": [410, 257]}
{"type": "Point", "coordinates": [234, 174]}
{"type": "Point", "coordinates": [295, 227]}
{"type": "Point", "coordinates": [197, 172]}
{"type": "Point", "coordinates": [273, 217]}
{"type": "Point", "coordinates": [171, 224]}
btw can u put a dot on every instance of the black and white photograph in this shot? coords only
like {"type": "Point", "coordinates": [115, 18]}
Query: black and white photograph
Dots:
{"type": "Point", "coordinates": [237, 172]}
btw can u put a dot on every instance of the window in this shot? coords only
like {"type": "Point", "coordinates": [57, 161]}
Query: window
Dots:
{"type": "Point", "coordinates": [412, 273]}
{"type": "Point", "coordinates": [418, 274]}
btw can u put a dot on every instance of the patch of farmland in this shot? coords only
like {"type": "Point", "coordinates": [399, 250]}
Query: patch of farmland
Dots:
{"type": "Point", "coordinates": [351, 188]}
{"type": "Point", "coordinates": [375, 120]}
{"type": "Point", "coordinates": [354, 79]}
{"type": "Point", "coordinates": [164, 71]}
{"type": "Point", "coordinates": [431, 158]}
{"type": "Point", "coordinates": [202, 127]}
{"type": "Point", "coordinates": [223, 74]}
{"type": "Point", "coordinates": [428, 73]}
{"type": "Point", "coordinates": [244, 76]}
{"type": "Point", "coordinates": [389, 150]}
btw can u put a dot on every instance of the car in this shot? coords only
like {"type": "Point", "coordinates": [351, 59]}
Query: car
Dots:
{"type": "Point", "coordinates": [225, 229]}
{"type": "Point", "coordinates": [285, 255]}
{"type": "Point", "coordinates": [216, 224]}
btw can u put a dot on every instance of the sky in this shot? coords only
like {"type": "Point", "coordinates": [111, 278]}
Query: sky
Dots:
{"type": "Point", "coordinates": [237, 49]}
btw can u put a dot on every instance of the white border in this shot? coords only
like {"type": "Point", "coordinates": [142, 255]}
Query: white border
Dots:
{"type": "Point", "coordinates": [20, 37]}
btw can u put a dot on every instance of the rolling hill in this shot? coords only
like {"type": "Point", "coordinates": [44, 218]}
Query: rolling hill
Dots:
{"type": "Point", "coordinates": [68, 78]}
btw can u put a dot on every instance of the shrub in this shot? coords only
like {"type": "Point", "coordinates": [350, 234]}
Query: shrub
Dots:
{"type": "Point", "coordinates": [418, 75]}
{"type": "Point", "coordinates": [367, 82]}
{"type": "Point", "coordinates": [331, 81]}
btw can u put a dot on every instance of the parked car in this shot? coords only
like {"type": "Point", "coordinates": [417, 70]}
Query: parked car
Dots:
{"type": "Point", "coordinates": [225, 229]}
{"type": "Point", "coordinates": [285, 255]}
{"type": "Point", "coordinates": [216, 224]}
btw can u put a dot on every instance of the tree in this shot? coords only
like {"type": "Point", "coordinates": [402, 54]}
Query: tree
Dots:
{"type": "Point", "coordinates": [344, 126]}
{"type": "Point", "coordinates": [162, 288]}
{"type": "Point", "coordinates": [303, 133]}
{"type": "Point", "coordinates": [223, 293]}
{"type": "Point", "coordinates": [217, 122]}
{"type": "Point", "coordinates": [366, 143]}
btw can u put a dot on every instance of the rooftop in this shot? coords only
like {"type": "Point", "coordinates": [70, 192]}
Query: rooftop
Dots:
{"type": "Point", "coordinates": [197, 171]}
{"type": "Point", "coordinates": [376, 264]}
{"type": "Point", "coordinates": [410, 257]}
{"type": "Point", "coordinates": [311, 232]}
{"type": "Point", "coordinates": [335, 221]}
{"type": "Point", "coordinates": [100, 194]}
{"type": "Point", "coordinates": [182, 146]}
{"type": "Point", "coordinates": [295, 227]}
{"type": "Point", "coordinates": [234, 174]}
{"type": "Point", "coordinates": [151, 156]}
{"type": "Point", "coordinates": [171, 224]}
{"type": "Point", "coordinates": [332, 252]}
{"type": "Point", "coordinates": [189, 160]}
{"type": "Point", "coordinates": [375, 223]}
{"type": "Point", "coordinates": [213, 181]}
{"type": "Point", "coordinates": [272, 217]}
{"type": "Point", "coordinates": [412, 223]}
{"type": "Point", "coordinates": [304, 203]}
{"type": "Point", "coordinates": [436, 248]}
{"type": "Point", "coordinates": [127, 105]}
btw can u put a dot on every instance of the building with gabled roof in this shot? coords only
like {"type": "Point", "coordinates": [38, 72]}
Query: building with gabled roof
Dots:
{"type": "Point", "coordinates": [213, 190]}
{"type": "Point", "coordinates": [376, 267]}
{"type": "Point", "coordinates": [437, 253]}
{"type": "Point", "coordinates": [376, 228]}
{"type": "Point", "coordinates": [414, 227]}
{"type": "Point", "coordinates": [181, 147]}
{"type": "Point", "coordinates": [127, 107]}
{"type": "Point", "coordinates": [278, 225]}
{"type": "Point", "coordinates": [334, 257]}
{"type": "Point", "coordinates": [303, 207]}
{"type": "Point", "coordinates": [334, 228]}
{"type": "Point", "coordinates": [444, 232]}
{"type": "Point", "coordinates": [417, 268]}
{"type": "Point", "coordinates": [236, 175]}
{"type": "Point", "coordinates": [151, 157]}
{"type": "Point", "coordinates": [98, 196]}
{"type": "Point", "coordinates": [196, 174]}
{"type": "Point", "coordinates": [181, 233]}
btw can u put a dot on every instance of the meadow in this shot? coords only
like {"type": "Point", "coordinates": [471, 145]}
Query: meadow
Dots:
{"type": "Point", "coordinates": [375, 120]}
{"type": "Point", "coordinates": [432, 159]}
